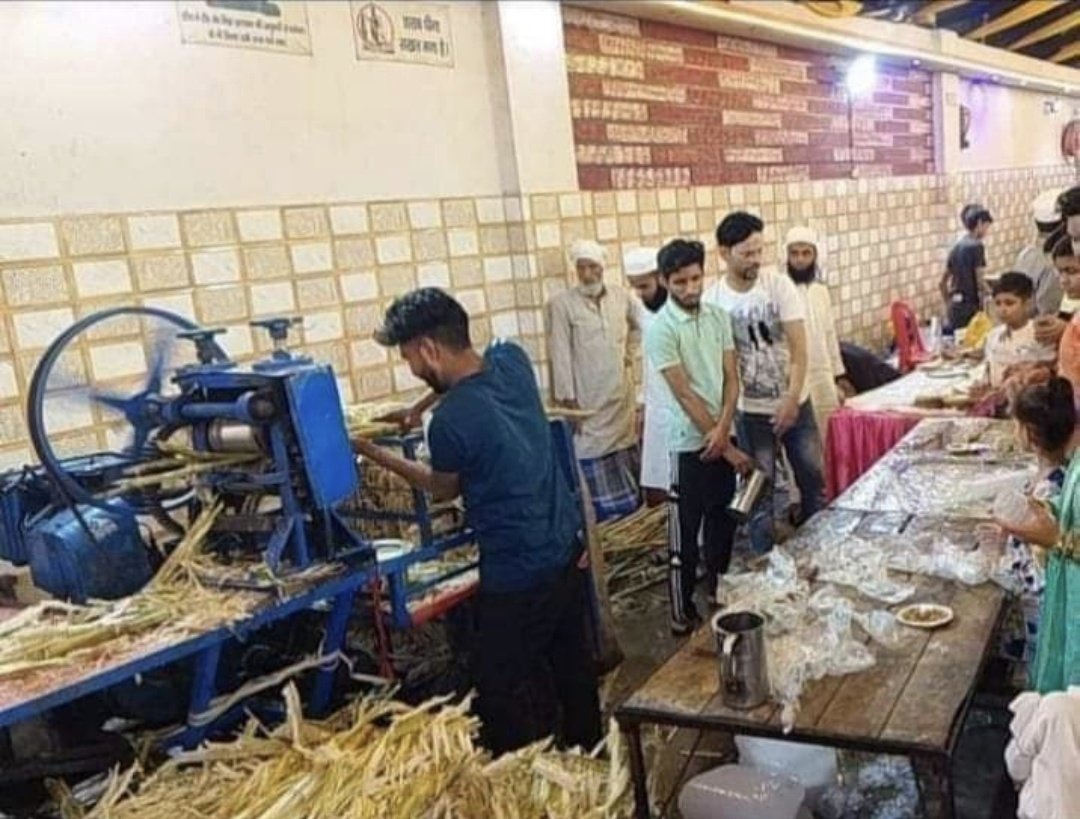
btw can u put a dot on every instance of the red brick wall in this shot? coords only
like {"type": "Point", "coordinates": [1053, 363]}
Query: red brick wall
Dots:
{"type": "Point", "coordinates": [657, 105]}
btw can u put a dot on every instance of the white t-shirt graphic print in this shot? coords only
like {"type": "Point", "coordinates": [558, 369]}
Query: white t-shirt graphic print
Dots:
{"type": "Point", "coordinates": [761, 344]}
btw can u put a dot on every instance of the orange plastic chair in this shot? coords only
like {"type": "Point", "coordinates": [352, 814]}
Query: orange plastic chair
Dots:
{"type": "Point", "coordinates": [908, 340]}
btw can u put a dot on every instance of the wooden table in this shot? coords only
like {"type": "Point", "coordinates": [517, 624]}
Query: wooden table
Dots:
{"type": "Point", "coordinates": [912, 702]}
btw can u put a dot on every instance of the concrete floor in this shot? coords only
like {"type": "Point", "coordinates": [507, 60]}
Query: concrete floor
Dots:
{"type": "Point", "coordinates": [983, 790]}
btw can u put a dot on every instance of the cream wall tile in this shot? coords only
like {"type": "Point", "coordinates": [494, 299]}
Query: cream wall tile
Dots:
{"type": "Point", "coordinates": [117, 360]}
{"type": "Point", "coordinates": [268, 299]}
{"type": "Point", "coordinates": [368, 353]}
{"type": "Point", "coordinates": [424, 215]}
{"type": "Point", "coordinates": [218, 305]}
{"type": "Point", "coordinates": [15, 458]}
{"type": "Point", "coordinates": [650, 224]}
{"type": "Point", "coordinates": [396, 279]}
{"type": "Point", "coordinates": [490, 211]}
{"type": "Point", "coordinates": [354, 253]}
{"type": "Point", "coordinates": [545, 207]}
{"type": "Point", "coordinates": [361, 320]}
{"type": "Point", "coordinates": [433, 274]}
{"type": "Point", "coordinates": [516, 209]}
{"type": "Point", "coordinates": [269, 262]}
{"type": "Point", "coordinates": [466, 272]}
{"type": "Point", "coordinates": [498, 269]}
{"type": "Point", "coordinates": [237, 341]}
{"type": "Point", "coordinates": [215, 266]}
{"type": "Point", "coordinates": [374, 384]}
{"type": "Point", "coordinates": [161, 272]}
{"type": "Point", "coordinates": [504, 325]}
{"type": "Point", "coordinates": [325, 326]}
{"type": "Point", "coordinates": [207, 228]}
{"type": "Point", "coordinates": [154, 231]}
{"type": "Point", "coordinates": [570, 206]}
{"type": "Point", "coordinates": [404, 380]}
{"type": "Point", "coordinates": [64, 416]}
{"type": "Point", "coordinates": [35, 285]}
{"type": "Point", "coordinates": [9, 386]}
{"type": "Point", "coordinates": [85, 235]}
{"type": "Point", "coordinates": [315, 293]}
{"type": "Point", "coordinates": [429, 244]}
{"type": "Point", "coordinates": [463, 242]}
{"type": "Point", "coordinates": [458, 213]}
{"type": "Point", "coordinates": [311, 257]}
{"type": "Point", "coordinates": [39, 328]}
{"type": "Point", "coordinates": [305, 223]}
{"type": "Point", "coordinates": [180, 303]}
{"type": "Point", "coordinates": [626, 201]}
{"type": "Point", "coordinates": [102, 278]}
{"type": "Point", "coordinates": [359, 287]}
{"type": "Point", "coordinates": [34, 240]}
{"type": "Point", "coordinates": [548, 234]}
{"type": "Point", "coordinates": [666, 199]}
{"type": "Point", "coordinates": [389, 217]}
{"type": "Point", "coordinates": [607, 228]}
{"type": "Point", "coordinates": [394, 249]}
{"type": "Point", "coordinates": [346, 219]}
{"type": "Point", "coordinates": [473, 301]}
{"type": "Point", "coordinates": [259, 225]}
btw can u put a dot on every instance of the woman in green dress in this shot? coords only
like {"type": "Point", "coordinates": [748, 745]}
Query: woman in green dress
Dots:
{"type": "Point", "coordinates": [1054, 524]}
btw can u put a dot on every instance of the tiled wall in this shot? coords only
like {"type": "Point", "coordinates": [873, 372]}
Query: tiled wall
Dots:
{"type": "Point", "coordinates": [658, 105]}
{"type": "Point", "coordinates": [339, 264]}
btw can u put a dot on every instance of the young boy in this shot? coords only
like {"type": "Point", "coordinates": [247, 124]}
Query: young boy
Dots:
{"type": "Point", "coordinates": [1009, 342]}
{"type": "Point", "coordinates": [1067, 263]}
{"type": "Point", "coordinates": [962, 284]}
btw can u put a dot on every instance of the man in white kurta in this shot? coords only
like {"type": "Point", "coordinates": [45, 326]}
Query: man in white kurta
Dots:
{"type": "Point", "coordinates": [593, 340]}
{"type": "Point", "coordinates": [825, 376]}
{"type": "Point", "coordinates": [639, 266]}
{"type": "Point", "coordinates": [1044, 754]}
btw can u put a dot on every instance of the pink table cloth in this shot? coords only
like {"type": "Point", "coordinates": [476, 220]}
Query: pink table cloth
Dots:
{"type": "Point", "coordinates": [856, 439]}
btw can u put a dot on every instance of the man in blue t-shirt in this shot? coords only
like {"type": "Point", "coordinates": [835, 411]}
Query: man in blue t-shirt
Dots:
{"type": "Point", "coordinates": [490, 442]}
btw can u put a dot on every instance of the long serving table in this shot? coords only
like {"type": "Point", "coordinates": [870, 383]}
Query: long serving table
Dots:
{"type": "Point", "coordinates": [870, 424]}
{"type": "Point", "coordinates": [914, 700]}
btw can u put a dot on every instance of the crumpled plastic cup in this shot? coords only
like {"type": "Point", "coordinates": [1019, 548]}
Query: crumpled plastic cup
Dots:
{"type": "Point", "coordinates": [1013, 508]}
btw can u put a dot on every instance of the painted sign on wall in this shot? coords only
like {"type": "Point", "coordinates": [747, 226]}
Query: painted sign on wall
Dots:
{"type": "Point", "coordinates": [403, 32]}
{"type": "Point", "coordinates": [261, 25]}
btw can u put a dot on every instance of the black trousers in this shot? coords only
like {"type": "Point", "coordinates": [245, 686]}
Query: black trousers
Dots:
{"type": "Point", "coordinates": [702, 492]}
{"type": "Point", "coordinates": [534, 668]}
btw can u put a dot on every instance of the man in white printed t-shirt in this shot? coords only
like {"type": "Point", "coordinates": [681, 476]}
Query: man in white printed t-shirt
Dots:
{"type": "Point", "coordinates": [768, 319]}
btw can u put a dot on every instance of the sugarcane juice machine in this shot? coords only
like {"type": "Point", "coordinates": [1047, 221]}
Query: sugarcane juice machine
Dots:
{"type": "Point", "coordinates": [268, 441]}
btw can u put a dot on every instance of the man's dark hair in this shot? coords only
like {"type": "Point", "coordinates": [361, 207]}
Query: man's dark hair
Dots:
{"type": "Point", "coordinates": [429, 313]}
{"type": "Point", "coordinates": [1016, 284]}
{"type": "Point", "coordinates": [974, 215]}
{"type": "Point", "coordinates": [1063, 248]}
{"type": "Point", "coordinates": [1069, 202]}
{"type": "Point", "coordinates": [677, 254]}
{"type": "Point", "coordinates": [737, 227]}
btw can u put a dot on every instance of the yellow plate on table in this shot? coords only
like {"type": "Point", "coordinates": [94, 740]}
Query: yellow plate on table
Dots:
{"type": "Point", "coordinates": [925, 615]}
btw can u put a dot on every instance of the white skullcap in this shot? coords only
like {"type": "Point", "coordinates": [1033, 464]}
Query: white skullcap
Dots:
{"type": "Point", "coordinates": [1044, 207]}
{"type": "Point", "coordinates": [588, 250]}
{"type": "Point", "coordinates": [802, 236]}
{"type": "Point", "coordinates": [639, 261]}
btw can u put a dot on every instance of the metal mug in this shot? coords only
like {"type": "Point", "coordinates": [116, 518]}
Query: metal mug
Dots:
{"type": "Point", "coordinates": [740, 642]}
{"type": "Point", "coordinates": [747, 492]}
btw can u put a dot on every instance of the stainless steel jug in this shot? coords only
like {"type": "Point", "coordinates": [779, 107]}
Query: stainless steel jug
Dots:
{"type": "Point", "coordinates": [740, 642]}
{"type": "Point", "coordinates": [747, 491]}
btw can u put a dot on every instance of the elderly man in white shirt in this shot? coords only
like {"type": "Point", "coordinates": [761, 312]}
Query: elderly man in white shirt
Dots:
{"type": "Point", "coordinates": [1034, 259]}
{"type": "Point", "coordinates": [825, 376]}
{"type": "Point", "coordinates": [639, 267]}
{"type": "Point", "coordinates": [593, 339]}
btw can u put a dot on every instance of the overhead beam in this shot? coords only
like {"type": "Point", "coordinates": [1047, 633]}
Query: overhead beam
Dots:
{"type": "Point", "coordinates": [1066, 54]}
{"type": "Point", "coordinates": [1017, 15]}
{"type": "Point", "coordinates": [928, 12]}
{"type": "Point", "coordinates": [1069, 21]}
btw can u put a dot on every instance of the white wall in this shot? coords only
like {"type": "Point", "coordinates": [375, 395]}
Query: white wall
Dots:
{"type": "Point", "coordinates": [105, 109]}
{"type": "Point", "coordinates": [1009, 128]}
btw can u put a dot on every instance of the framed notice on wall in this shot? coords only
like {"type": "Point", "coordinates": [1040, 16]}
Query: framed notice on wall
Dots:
{"type": "Point", "coordinates": [260, 25]}
{"type": "Point", "coordinates": [402, 32]}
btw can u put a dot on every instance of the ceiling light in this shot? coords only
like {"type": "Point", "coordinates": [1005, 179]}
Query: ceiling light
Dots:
{"type": "Point", "coordinates": [861, 75]}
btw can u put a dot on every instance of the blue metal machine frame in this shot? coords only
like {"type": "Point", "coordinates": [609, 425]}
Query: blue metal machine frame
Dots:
{"type": "Point", "coordinates": [206, 649]}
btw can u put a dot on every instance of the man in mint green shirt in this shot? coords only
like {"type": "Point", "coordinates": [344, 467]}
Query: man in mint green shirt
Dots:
{"type": "Point", "coordinates": [691, 345]}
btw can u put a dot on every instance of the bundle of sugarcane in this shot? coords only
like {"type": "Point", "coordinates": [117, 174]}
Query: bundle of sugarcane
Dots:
{"type": "Point", "coordinates": [175, 604]}
{"type": "Point", "coordinates": [376, 759]}
{"type": "Point", "coordinates": [644, 528]}
{"type": "Point", "coordinates": [176, 467]}
{"type": "Point", "coordinates": [365, 420]}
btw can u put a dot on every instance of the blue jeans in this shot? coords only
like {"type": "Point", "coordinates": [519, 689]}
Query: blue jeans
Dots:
{"type": "Point", "coordinates": [802, 445]}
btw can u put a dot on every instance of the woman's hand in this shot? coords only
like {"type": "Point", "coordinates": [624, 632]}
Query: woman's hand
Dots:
{"type": "Point", "coordinates": [1039, 528]}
